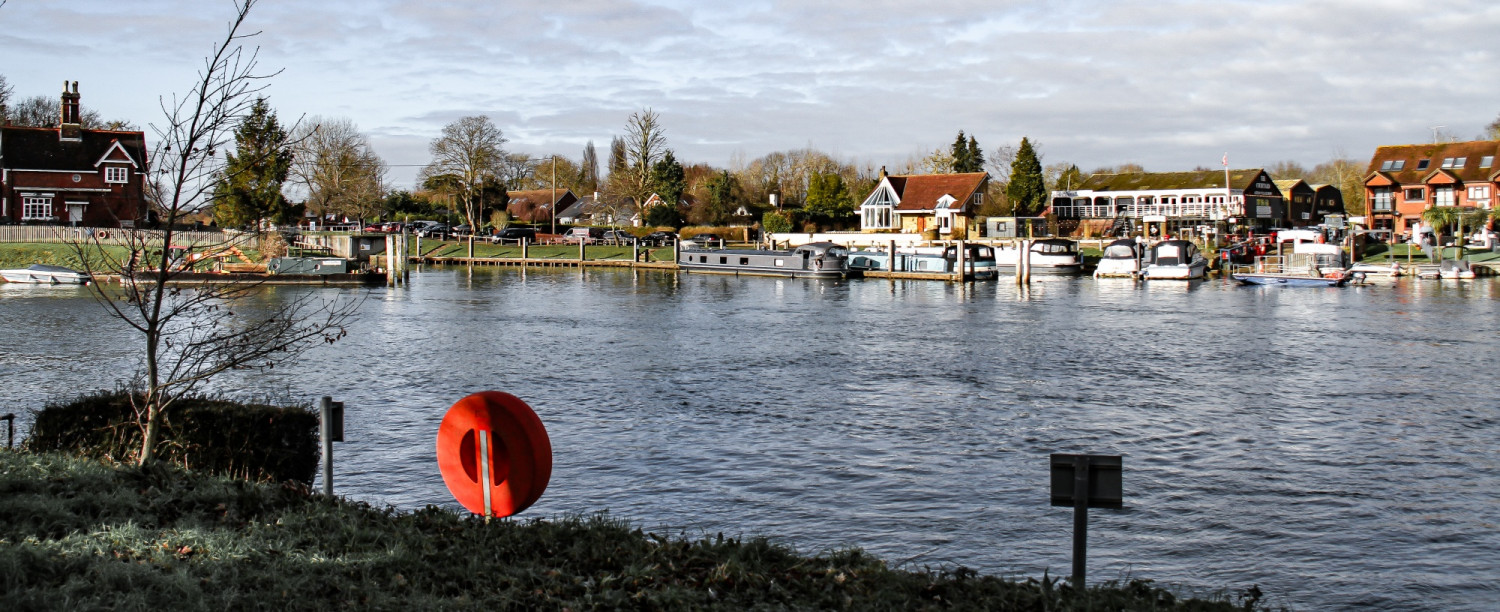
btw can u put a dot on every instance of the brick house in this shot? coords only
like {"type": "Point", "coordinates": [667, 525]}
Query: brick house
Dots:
{"type": "Point", "coordinates": [534, 205]}
{"type": "Point", "coordinates": [1404, 180]}
{"type": "Point", "coordinates": [921, 202]}
{"type": "Point", "coordinates": [72, 176]}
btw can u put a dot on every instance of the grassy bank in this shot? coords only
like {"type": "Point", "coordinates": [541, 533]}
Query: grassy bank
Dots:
{"type": "Point", "coordinates": [22, 254]}
{"type": "Point", "coordinates": [76, 534]}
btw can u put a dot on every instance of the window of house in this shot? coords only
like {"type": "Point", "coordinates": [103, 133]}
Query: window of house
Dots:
{"type": "Point", "coordinates": [1447, 162]}
{"type": "Point", "coordinates": [878, 212]}
{"type": "Point", "coordinates": [1400, 164]}
{"type": "Point", "coordinates": [114, 174]}
{"type": "Point", "coordinates": [36, 208]}
{"type": "Point", "coordinates": [1387, 165]}
{"type": "Point", "coordinates": [1442, 195]}
{"type": "Point", "coordinates": [1381, 199]}
{"type": "Point", "coordinates": [945, 223]}
{"type": "Point", "coordinates": [1416, 194]}
{"type": "Point", "coordinates": [1422, 164]}
{"type": "Point", "coordinates": [1486, 161]}
{"type": "Point", "coordinates": [1479, 192]}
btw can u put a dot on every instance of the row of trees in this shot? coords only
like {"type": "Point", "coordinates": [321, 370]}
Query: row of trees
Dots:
{"type": "Point", "coordinates": [44, 111]}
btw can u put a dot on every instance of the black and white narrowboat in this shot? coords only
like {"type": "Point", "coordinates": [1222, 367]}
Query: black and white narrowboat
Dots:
{"type": "Point", "coordinates": [979, 260]}
{"type": "Point", "coordinates": [816, 260]}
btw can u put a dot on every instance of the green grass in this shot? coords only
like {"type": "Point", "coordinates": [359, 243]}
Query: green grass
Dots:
{"type": "Point", "coordinates": [22, 254]}
{"type": "Point", "coordinates": [80, 535]}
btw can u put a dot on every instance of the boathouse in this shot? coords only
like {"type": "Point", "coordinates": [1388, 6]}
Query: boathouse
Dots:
{"type": "Point", "coordinates": [917, 203]}
{"type": "Point", "coordinates": [1402, 181]}
{"type": "Point", "coordinates": [72, 175]}
{"type": "Point", "coordinates": [1122, 203]}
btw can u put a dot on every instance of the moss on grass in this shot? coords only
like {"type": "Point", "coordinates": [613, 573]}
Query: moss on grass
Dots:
{"type": "Point", "coordinates": [77, 534]}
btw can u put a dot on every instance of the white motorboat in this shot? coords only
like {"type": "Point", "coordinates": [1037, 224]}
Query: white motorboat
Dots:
{"type": "Point", "coordinates": [1370, 272]}
{"type": "Point", "coordinates": [1049, 256]}
{"type": "Point", "coordinates": [42, 274]}
{"type": "Point", "coordinates": [1121, 259]}
{"type": "Point", "coordinates": [1175, 260]}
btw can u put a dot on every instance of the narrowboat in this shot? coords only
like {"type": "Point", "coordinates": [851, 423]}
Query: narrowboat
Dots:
{"type": "Point", "coordinates": [1049, 256]}
{"type": "Point", "coordinates": [1121, 259]}
{"type": "Point", "coordinates": [1174, 260]}
{"type": "Point", "coordinates": [979, 260]}
{"type": "Point", "coordinates": [815, 260]}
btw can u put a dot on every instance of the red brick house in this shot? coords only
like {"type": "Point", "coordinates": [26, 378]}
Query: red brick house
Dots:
{"type": "Point", "coordinates": [921, 202]}
{"type": "Point", "coordinates": [72, 176]}
{"type": "Point", "coordinates": [1405, 180]}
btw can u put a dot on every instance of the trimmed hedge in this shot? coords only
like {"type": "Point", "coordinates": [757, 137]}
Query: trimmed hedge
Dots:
{"type": "Point", "coordinates": [249, 441]}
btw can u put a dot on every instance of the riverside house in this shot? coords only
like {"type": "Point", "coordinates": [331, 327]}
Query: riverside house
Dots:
{"type": "Point", "coordinates": [71, 175]}
{"type": "Point", "coordinates": [1180, 200]}
{"type": "Point", "coordinates": [944, 203]}
{"type": "Point", "coordinates": [1404, 180]}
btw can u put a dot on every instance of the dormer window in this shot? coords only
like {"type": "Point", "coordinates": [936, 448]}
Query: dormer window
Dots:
{"type": "Point", "coordinates": [116, 174]}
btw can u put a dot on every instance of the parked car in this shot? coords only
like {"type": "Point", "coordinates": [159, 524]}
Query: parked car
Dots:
{"type": "Point", "coordinates": [434, 230]}
{"type": "Point", "coordinates": [586, 235]}
{"type": "Point", "coordinates": [707, 240]}
{"type": "Point", "coordinates": [374, 228]}
{"type": "Point", "coordinates": [514, 235]}
{"type": "Point", "coordinates": [660, 238]}
{"type": "Point", "coordinates": [618, 237]}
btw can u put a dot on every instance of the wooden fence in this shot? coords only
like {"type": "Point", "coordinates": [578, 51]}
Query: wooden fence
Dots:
{"type": "Point", "coordinates": [115, 236]}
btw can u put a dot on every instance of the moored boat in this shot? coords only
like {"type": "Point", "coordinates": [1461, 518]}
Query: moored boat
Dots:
{"type": "Point", "coordinates": [42, 274]}
{"type": "Point", "coordinates": [1175, 260]}
{"type": "Point", "coordinates": [979, 260]}
{"type": "Point", "coordinates": [815, 260]}
{"type": "Point", "coordinates": [1318, 271]}
{"type": "Point", "coordinates": [1048, 256]}
{"type": "Point", "coordinates": [1121, 259]}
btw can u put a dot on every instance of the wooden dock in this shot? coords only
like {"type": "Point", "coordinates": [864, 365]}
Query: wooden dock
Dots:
{"type": "Point", "coordinates": [545, 262]}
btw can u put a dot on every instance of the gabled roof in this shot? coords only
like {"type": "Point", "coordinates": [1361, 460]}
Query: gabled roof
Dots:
{"type": "Point", "coordinates": [1288, 185]}
{"type": "Point", "coordinates": [543, 196]}
{"type": "Point", "coordinates": [1473, 151]}
{"type": "Point", "coordinates": [1241, 179]}
{"type": "Point", "coordinates": [32, 148]}
{"type": "Point", "coordinates": [116, 154]}
{"type": "Point", "coordinates": [921, 192]}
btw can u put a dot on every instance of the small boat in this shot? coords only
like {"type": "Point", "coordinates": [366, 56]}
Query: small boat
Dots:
{"type": "Point", "coordinates": [979, 260]}
{"type": "Point", "coordinates": [1048, 256]}
{"type": "Point", "coordinates": [1454, 269]}
{"type": "Point", "coordinates": [1369, 273]}
{"type": "Point", "coordinates": [1331, 279]}
{"type": "Point", "coordinates": [815, 260]}
{"type": "Point", "coordinates": [42, 274]}
{"type": "Point", "coordinates": [1175, 260]}
{"type": "Point", "coordinates": [1121, 259]}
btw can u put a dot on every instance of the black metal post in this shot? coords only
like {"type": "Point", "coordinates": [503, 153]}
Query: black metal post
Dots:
{"type": "Point", "coordinates": [325, 431]}
{"type": "Point", "coordinates": [1080, 519]}
{"type": "Point", "coordinates": [10, 430]}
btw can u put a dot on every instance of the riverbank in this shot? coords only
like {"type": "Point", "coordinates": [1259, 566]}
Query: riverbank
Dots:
{"type": "Point", "coordinates": [82, 534]}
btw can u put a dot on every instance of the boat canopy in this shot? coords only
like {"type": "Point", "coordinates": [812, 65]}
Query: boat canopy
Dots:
{"type": "Point", "coordinates": [1056, 246]}
{"type": "Point", "coordinates": [1126, 248]}
{"type": "Point", "coordinates": [1174, 253]}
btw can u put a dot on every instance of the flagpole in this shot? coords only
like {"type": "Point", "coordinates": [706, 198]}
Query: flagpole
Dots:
{"type": "Point", "coordinates": [1228, 195]}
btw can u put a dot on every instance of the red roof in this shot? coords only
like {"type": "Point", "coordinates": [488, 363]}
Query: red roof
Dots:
{"type": "Point", "coordinates": [922, 191]}
{"type": "Point", "coordinates": [1409, 157]}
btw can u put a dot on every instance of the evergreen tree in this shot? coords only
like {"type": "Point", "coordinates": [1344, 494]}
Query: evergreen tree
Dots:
{"type": "Point", "coordinates": [1027, 190]}
{"type": "Point", "coordinates": [668, 179]}
{"type": "Point", "coordinates": [1070, 178]}
{"type": "Point", "coordinates": [967, 157]}
{"type": "Point", "coordinates": [249, 188]}
{"type": "Point", "coordinates": [721, 197]}
{"type": "Point", "coordinates": [828, 198]}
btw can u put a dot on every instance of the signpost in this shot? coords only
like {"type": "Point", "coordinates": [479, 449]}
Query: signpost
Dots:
{"type": "Point", "coordinates": [1083, 482]}
{"type": "Point", "coordinates": [330, 429]}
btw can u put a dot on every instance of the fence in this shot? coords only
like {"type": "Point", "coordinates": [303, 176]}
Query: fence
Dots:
{"type": "Point", "coordinates": [115, 236]}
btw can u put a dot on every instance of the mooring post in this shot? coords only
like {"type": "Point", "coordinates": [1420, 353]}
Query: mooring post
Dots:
{"type": "Point", "coordinates": [10, 429]}
{"type": "Point", "coordinates": [581, 241]}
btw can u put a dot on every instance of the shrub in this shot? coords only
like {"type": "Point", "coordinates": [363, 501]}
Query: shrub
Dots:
{"type": "Point", "coordinates": [776, 222]}
{"type": "Point", "coordinates": [251, 441]}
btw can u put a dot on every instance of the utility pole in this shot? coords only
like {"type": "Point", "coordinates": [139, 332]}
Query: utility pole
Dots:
{"type": "Point", "coordinates": [552, 208]}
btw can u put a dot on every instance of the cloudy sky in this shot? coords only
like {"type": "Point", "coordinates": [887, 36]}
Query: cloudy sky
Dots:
{"type": "Point", "coordinates": [1169, 85]}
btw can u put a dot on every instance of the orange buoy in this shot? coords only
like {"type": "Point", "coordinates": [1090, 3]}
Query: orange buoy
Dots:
{"type": "Point", "coordinates": [494, 454]}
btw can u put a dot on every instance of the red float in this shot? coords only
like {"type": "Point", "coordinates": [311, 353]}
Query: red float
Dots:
{"type": "Point", "coordinates": [503, 429]}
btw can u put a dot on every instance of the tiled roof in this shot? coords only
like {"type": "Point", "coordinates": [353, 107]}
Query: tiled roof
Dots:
{"type": "Point", "coordinates": [1473, 153]}
{"type": "Point", "coordinates": [540, 196]}
{"type": "Point", "coordinates": [922, 191]}
{"type": "Point", "coordinates": [39, 148]}
{"type": "Point", "coordinates": [1158, 181]}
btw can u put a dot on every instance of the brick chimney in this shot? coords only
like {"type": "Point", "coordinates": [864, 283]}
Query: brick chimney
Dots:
{"type": "Point", "coordinates": [70, 128]}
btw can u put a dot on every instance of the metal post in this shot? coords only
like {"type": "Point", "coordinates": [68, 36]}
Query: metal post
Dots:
{"type": "Point", "coordinates": [325, 430]}
{"type": "Point", "coordinates": [1080, 520]}
{"type": "Point", "coordinates": [581, 241]}
{"type": "Point", "coordinates": [484, 472]}
{"type": "Point", "coordinates": [525, 250]}
{"type": "Point", "coordinates": [10, 429]}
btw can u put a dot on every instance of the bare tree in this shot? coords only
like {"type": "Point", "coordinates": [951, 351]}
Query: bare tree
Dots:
{"type": "Point", "coordinates": [1286, 170]}
{"type": "Point", "coordinates": [337, 170]}
{"type": "Point", "coordinates": [645, 143]}
{"type": "Point", "coordinates": [6, 90]}
{"type": "Point", "coordinates": [470, 151]}
{"type": "Point", "coordinates": [1348, 175]}
{"type": "Point", "coordinates": [589, 169]}
{"type": "Point", "coordinates": [193, 332]}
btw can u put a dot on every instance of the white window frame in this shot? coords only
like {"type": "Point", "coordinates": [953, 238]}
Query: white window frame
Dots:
{"type": "Point", "coordinates": [116, 174]}
{"type": "Point", "coordinates": [38, 208]}
{"type": "Point", "coordinates": [878, 211]}
{"type": "Point", "coordinates": [1442, 195]}
{"type": "Point", "coordinates": [1381, 199]}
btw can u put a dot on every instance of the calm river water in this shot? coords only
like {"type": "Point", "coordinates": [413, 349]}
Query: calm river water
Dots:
{"type": "Point", "coordinates": [1340, 448]}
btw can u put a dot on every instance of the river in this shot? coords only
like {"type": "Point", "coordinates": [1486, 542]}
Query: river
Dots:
{"type": "Point", "coordinates": [1337, 447]}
